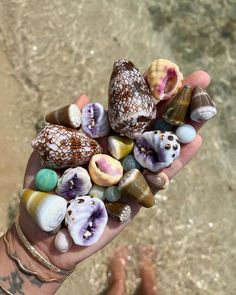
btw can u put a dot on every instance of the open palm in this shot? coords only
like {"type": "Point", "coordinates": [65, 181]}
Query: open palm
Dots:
{"type": "Point", "coordinates": [45, 241]}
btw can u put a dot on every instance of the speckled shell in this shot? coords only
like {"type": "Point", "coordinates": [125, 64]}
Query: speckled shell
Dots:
{"type": "Point", "coordinates": [61, 147]}
{"type": "Point", "coordinates": [133, 185]}
{"type": "Point", "coordinates": [164, 79]}
{"type": "Point", "coordinates": [156, 150]}
{"type": "Point", "coordinates": [119, 211]}
{"type": "Point", "coordinates": [131, 107]}
{"type": "Point", "coordinates": [86, 219]}
{"type": "Point", "coordinates": [202, 107]}
{"type": "Point", "coordinates": [105, 170]}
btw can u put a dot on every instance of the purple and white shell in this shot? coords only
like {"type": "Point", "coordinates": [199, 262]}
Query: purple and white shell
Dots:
{"type": "Point", "coordinates": [95, 120]}
{"type": "Point", "coordinates": [156, 150]}
{"type": "Point", "coordinates": [73, 183]}
{"type": "Point", "coordinates": [131, 107]}
{"type": "Point", "coordinates": [86, 219]}
{"type": "Point", "coordinates": [62, 147]}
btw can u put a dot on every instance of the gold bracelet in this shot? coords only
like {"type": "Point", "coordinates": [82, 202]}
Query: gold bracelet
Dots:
{"type": "Point", "coordinates": [23, 268]}
{"type": "Point", "coordinates": [5, 290]}
{"type": "Point", "coordinates": [37, 255]}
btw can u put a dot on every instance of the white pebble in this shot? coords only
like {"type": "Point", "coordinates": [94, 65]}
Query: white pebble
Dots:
{"type": "Point", "coordinates": [186, 133]}
{"type": "Point", "coordinates": [63, 241]}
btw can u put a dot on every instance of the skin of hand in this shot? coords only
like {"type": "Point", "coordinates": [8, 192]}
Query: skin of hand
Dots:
{"type": "Point", "coordinates": [44, 242]}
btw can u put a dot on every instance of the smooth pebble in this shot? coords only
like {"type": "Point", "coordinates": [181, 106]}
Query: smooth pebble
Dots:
{"type": "Point", "coordinates": [185, 133]}
{"type": "Point", "coordinates": [46, 180]}
{"type": "Point", "coordinates": [112, 194]}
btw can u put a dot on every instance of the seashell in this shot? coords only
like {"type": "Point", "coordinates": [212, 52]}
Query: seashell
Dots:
{"type": "Point", "coordinates": [73, 183]}
{"type": "Point", "coordinates": [164, 79]}
{"type": "Point", "coordinates": [119, 211]}
{"type": "Point", "coordinates": [120, 146]}
{"type": "Point", "coordinates": [47, 210]}
{"type": "Point", "coordinates": [95, 120]}
{"type": "Point", "coordinates": [112, 194]}
{"type": "Point", "coordinates": [175, 113]}
{"type": "Point", "coordinates": [105, 170]}
{"type": "Point", "coordinates": [86, 219]}
{"type": "Point", "coordinates": [156, 150]}
{"type": "Point", "coordinates": [161, 124]}
{"type": "Point", "coordinates": [156, 181]}
{"type": "Point", "coordinates": [61, 147]}
{"type": "Point", "coordinates": [131, 107]}
{"type": "Point", "coordinates": [185, 133]}
{"type": "Point", "coordinates": [63, 241]}
{"type": "Point", "coordinates": [46, 180]}
{"type": "Point", "coordinates": [97, 191]}
{"type": "Point", "coordinates": [133, 185]}
{"type": "Point", "coordinates": [68, 116]}
{"type": "Point", "coordinates": [202, 107]}
{"type": "Point", "coordinates": [129, 162]}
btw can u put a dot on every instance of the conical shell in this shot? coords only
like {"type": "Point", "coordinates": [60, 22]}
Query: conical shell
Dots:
{"type": "Point", "coordinates": [68, 116]}
{"type": "Point", "coordinates": [131, 107]}
{"type": "Point", "coordinates": [119, 211]}
{"type": "Point", "coordinates": [175, 113]}
{"type": "Point", "coordinates": [61, 147]}
{"type": "Point", "coordinates": [134, 186]}
{"type": "Point", "coordinates": [47, 210]}
{"type": "Point", "coordinates": [156, 181]}
{"type": "Point", "coordinates": [164, 79]}
{"type": "Point", "coordinates": [202, 107]}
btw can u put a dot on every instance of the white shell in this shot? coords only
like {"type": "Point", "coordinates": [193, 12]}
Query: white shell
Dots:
{"type": "Point", "coordinates": [63, 241]}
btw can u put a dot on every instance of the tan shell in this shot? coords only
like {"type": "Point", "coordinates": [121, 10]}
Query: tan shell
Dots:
{"type": "Point", "coordinates": [156, 181]}
{"type": "Point", "coordinates": [105, 170]}
{"type": "Point", "coordinates": [164, 79]}
{"type": "Point", "coordinates": [133, 185]}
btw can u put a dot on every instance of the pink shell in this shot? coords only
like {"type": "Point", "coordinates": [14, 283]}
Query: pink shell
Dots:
{"type": "Point", "coordinates": [61, 147]}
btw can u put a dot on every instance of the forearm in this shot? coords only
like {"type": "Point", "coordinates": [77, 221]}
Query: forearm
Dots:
{"type": "Point", "coordinates": [13, 278]}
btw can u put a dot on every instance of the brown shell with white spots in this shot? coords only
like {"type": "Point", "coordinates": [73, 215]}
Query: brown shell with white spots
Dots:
{"type": "Point", "coordinates": [61, 147]}
{"type": "Point", "coordinates": [131, 107]}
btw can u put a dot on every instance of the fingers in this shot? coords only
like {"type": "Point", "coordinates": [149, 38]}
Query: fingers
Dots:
{"type": "Point", "coordinates": [81, 101]}
{"type": "Point", "coordinates": [188, 151]}
{"type": "Point", "coordinates": [199, 78]}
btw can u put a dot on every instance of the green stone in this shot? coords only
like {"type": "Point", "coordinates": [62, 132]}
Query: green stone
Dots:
{"type": "Point", "coordinates": [112, 194]}
{"type": "Point", "coordinates": [46, 180]}
{"type": "Point", "coordinates": [97, 191]}
{"type": "Point", "coordinates": [129, 162]}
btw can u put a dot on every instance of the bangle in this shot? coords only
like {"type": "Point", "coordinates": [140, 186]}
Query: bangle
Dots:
{"type": "Point", "coordinates": [37, 255]}
{"type": "Point", "coordinates": [23, 268]}
{"type": "Point", "coordinates": [5, 290]}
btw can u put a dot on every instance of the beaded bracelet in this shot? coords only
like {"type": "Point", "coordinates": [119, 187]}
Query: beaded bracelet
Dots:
{"type": "Point", "coordinates": [23, 268]}
{"type": "Point", "coordinates": [37, 255]}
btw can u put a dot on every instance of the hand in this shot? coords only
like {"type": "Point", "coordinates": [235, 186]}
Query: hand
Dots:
{"type": "Point", "coordinates": [45, 241]}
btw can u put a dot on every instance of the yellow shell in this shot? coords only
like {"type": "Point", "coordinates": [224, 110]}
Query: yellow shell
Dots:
{"type": "Point", "coordinates": [47, 210]}
{"type": "Point", "coordinates": [164, 79]}
{"type": "Point", "coordinates": [120, 146]}
{"type": "Point", "coordinates": [105, 170]}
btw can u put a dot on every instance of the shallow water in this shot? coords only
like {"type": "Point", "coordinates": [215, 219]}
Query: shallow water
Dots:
{"type": "Point", "coordinates": [51, 51]}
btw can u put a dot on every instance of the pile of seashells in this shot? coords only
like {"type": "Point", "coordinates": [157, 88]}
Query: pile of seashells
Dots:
{"type": "Point", "coordinates": [77, 203]}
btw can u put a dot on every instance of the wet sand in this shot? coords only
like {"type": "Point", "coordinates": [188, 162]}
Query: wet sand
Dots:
{"type": "Point", "coordinates": [51, 51]}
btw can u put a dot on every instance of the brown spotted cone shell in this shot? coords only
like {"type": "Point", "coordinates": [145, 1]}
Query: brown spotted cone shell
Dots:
{"type": "Point", "coordinates": [61, 147]}
{"type": "Point", "coordinates": [131, 107]}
